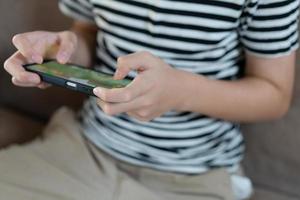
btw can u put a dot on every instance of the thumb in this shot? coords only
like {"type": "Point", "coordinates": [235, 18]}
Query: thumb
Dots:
{"type": "Point", "coordinates": [26, 48]}
{"type": "Point", "coordinates": [67, 45]}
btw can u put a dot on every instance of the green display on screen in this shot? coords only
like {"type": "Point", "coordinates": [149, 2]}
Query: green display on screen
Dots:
{"type": "Point", "coordinates": [79, 75]}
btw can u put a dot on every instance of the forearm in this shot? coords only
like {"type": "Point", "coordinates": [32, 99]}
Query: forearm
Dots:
{"type": "Point", "coordinates": [247, 100]}
{"type": "Point", "coordinates": [86, 44]}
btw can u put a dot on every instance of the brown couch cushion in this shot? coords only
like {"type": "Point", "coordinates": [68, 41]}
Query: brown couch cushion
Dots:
{"type": "Point", "coordinates": [261, 194]}
{"type": "Point", "coordinates": [17, 128]}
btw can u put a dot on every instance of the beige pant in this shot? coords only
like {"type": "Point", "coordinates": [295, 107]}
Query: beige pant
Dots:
{"type": "Point", "coordinates": [64, 166]}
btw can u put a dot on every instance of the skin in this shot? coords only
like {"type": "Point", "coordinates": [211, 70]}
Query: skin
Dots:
{"type": "Point", "coordinates": [263, 94]}
{"type": "Point", "coordinates": [76, 46]}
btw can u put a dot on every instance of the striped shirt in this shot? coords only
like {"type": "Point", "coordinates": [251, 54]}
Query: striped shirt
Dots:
{"type": "Point", "coordinates": [202, 37]}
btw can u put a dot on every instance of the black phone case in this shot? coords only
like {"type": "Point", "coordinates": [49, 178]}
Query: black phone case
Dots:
{"type": "Point", "coordinates": [86, 89]}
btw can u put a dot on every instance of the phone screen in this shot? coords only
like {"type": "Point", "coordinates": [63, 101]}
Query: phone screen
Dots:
{"type": "Point", "coordinates": [79, 74]}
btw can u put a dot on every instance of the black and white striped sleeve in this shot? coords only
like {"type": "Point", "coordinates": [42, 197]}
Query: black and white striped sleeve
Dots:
{"type": "Point", "coordinates": [271, 28]}
{"type": "Point", "coordinates": [78, 9]}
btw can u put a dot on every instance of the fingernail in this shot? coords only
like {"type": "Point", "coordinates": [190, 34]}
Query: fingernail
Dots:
{"type": "Point", "coordinates": [63, 57]}
{"type": "Point", "coordinates": [97, 91]}
{"type": "Point", "coordinates": [36, 58]}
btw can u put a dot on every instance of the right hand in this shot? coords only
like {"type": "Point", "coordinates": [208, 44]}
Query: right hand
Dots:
{"type": "Point", "coordinates": [34, 47]}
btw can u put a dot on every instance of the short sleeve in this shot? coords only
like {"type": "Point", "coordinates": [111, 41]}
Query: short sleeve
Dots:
{"type": "Point", "coordinates": [77, 9]}
{"type": "Point", "coordinates": [270, 27]}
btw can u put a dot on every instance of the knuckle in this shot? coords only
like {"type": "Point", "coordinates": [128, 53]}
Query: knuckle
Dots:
{"type": "Point", "coordinates": [69, 46]}
{"type": "Point", "coordinates": [143, 114]}
{"type": "Point", "coordinates": [103, 107]}
{"type": "Point", "coordinates": [15, 81]}
{"type": "Point", "coordinates": [121, 60]}
{"type": "Point", "coordinates": [145, 54]}
{"type": "Point", "coordinates": [72, 45]}
{"type": "Point", "coordinates": [144, 119]}
{"type": "Point", "coordinates": [20, 77]}
{"type": "Point", "coordinates": [16, 38]}
{"type": "Point", "coordinates": [7, 64]}
{"type": "Point", "coordinates": [148, 102]}
{"type": "Point", "coordinates": [19, 38]}
{"type": "Point", "coordinates": [104, 96]}
{"type": "Point", "coordinates": [127, 96]}
{"type": "Point", "coordinates": [99, 103]}
{"type": "Point", "coordinates": [69, 36]}
{"type": "Point", "coordinates": [72, 36]}
{"type": "Point", "coordinates": [107, 109]}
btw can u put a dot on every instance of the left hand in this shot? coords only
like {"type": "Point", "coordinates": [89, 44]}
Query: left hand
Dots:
{"type": "Point", "coordinates": [154, 91]}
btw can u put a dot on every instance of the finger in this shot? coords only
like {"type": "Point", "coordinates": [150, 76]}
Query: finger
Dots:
{"type": "Point", "coordinates": [14, 66]}
{"type": "Point", "coordinates": [44, 85]}
{"type": "Point", "coordinates": [100, 103]}
{"type": "Point", "coordinates": [120, 95]}
{"type": "Point", "coordinates": [134, 115]}
{"type": "Point", "coordinates": [138, 117]}
{"type": "Point", "coordinates": [26, 48]}
{"type": "Point", "coordinates": [117, 108]}
{"type": "Point", "coordinates": [47, 46]}
{"type": "Point", "coordinates": [136, 61]}
{"type": "Point", "coordinates": [67, 43]}
{"type": "Point", "coordinates": [22, 84]}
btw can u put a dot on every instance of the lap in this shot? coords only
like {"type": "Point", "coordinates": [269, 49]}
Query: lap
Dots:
{"type": "Point", "coordinates": [56, 166]}
{"type": "Point", "coordinates": [62, 166]}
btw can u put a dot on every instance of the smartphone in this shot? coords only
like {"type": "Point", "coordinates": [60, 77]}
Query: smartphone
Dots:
{"type": "Point", "coordinates": [74, 77]}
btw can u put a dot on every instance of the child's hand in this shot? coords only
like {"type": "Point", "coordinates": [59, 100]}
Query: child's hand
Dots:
{"type": "Point", "coordinates": [153, 92]}
{"type": "Point", "coordinates": [33, 47]}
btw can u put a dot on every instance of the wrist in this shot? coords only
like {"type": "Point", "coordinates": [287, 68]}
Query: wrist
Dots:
{"type": "Point", "coordinates": [180, 87]}
{"type": "Point", "coordinates": [188, 86]}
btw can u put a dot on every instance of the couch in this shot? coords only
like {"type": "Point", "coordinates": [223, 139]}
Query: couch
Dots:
{"type": "Point", "coordinates": [272, 158]}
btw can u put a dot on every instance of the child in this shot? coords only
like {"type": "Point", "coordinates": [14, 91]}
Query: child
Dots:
{"type": "Point", "coordinates": [198, 69]}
